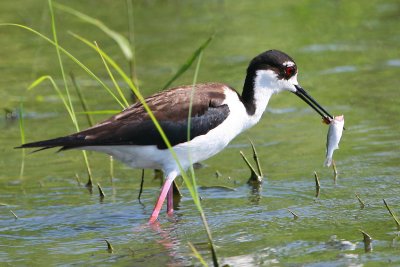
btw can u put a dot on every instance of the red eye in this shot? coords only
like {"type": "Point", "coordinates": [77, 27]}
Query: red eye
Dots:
{"type": "Point", "coordinates": [289, 72]}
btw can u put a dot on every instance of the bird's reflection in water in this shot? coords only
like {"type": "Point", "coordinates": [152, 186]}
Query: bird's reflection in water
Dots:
{"type": "Point", "coordinates": [168, 238]}
{"type": "Point", "coordinates": [164, 243]}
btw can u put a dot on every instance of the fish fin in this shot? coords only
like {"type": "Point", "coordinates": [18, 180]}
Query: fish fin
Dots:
{"type": "Point", "coordinates": [328, 162]}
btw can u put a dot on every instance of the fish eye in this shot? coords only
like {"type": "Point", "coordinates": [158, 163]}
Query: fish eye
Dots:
{"type": "Point", "coordinates": [289, 71]}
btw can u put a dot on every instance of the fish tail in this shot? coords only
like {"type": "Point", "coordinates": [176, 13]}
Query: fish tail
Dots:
{"type": "Point", "coordinates": [328, 161]}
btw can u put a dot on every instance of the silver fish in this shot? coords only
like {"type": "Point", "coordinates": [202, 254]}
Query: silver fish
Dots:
{"type": "Point", "coordinates": [333, 138]}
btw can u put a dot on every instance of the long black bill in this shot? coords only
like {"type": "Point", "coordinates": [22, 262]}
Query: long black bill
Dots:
{"type": "Point", "coordinates": [312, 103]}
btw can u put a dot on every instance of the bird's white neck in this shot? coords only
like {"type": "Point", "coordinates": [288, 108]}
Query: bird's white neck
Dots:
{"type": "Point", "coordinates": [263, 87]}
{"type": "Point", "coordinates": [261, 99]}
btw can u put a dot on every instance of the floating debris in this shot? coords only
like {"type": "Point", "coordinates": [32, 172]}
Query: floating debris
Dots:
{"type": "Point", "coordinates": [110, 248]}
{"type": "Point", "coordinates": [227, 188]}
{"type": "Point", "coordinates": [101, 192]}
{"type": "Point", "coordinates": [15, 215]}
{"type": "Point", "coordinates": [198, 165]}
{"type": "Point", "coordinates": [367, 241]}
{"type": "Point", "coordinates": [295, 216]}
{"type": "Point", "coordinates": [393, 215]}
{"type": "Point", "coordinates": [219, 175]}
{"type": "Point", "coordinates": [317, 185]}
{"type": "Point", "coordinates": [362, 204]}
{"type": "Point", "coordinates": [10, 114]}
{"type": "Point", "coordinates": [340, 244]}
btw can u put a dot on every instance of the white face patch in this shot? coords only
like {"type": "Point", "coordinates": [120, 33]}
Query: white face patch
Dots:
{"type": "Point", "coordinates": [265, 79]}
{"type": "Point", "coordinates": [268, 80]}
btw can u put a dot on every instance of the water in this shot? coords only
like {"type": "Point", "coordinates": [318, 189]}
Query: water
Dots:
{"type": "Point", "coordinates": [347, 53]}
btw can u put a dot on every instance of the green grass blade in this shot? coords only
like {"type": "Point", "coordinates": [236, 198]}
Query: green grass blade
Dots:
{"type": "Point", "coordinates": [54, 31]}
{"type": "Point", "coordinates": [189, 62]}
{"type": "Point", "coordinates": [122, 42]}
{"type": "Point", "coordinates": [252, 170]}
{"type": "Point", "coordinates": [71, 106]}
{"type": "Point", "coordinates": [197, 254]}
{"type": "Point", "coordinates": [131, 27]}
{"type": "Point", "coordinates": [195, 194]}
{"type": "Point", "coordinates": [100, 112]}
{"type": "Point", "coordinates": [396, 220]}
{"type": "Point", "coordinates": [41, 79]}
{"type": "Point", "coordinates": [256, 159]}
{"type": "Point", "coordinates": [22, 134]}
{"type": "Point", "coordinates": [110, 248]}
{"type": "Point", "coordinates": [15, 215]}
{"type": "Point", "coordinates": [82, 100]}
{"type": "Point", "coordinates": [79, 63]}
{"type": "Point", "coordinates": [126, 46]}
{"type": "Point", "coordinates": [113, 80]}
{"type": "Point", "coordinates": [197, 201]}
{"type": "Point", "coordinates": [21, 121]}
{"type": "Point", "coordinates": [47, 77]}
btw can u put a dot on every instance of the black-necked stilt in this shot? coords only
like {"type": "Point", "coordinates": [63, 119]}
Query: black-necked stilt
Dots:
{"type": "Point", "coordinates": [219, 114]}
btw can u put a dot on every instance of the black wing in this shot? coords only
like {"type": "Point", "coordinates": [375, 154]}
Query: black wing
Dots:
{"type": "Point", "coordinates": [133, 126]}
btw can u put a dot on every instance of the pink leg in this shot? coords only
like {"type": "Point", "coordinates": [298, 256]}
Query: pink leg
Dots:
{"type": "Point", "coordinates": [170, 201]}
{"type": "Point", "coordinates": [164, 191]}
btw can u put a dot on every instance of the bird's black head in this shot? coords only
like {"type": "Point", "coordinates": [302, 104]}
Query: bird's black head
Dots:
{"type": "Point", "coordinates": [276, 71]}
{"type": "Point", "coordinates": [280, 63]}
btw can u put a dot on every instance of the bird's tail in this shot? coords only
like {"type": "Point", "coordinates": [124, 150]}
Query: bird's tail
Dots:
{"type": "Point", "coordinates": [63, 142]}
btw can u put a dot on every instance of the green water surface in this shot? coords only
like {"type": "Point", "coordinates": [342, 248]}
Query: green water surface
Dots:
{"type": "Point", "coordinates": [348, 54]}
